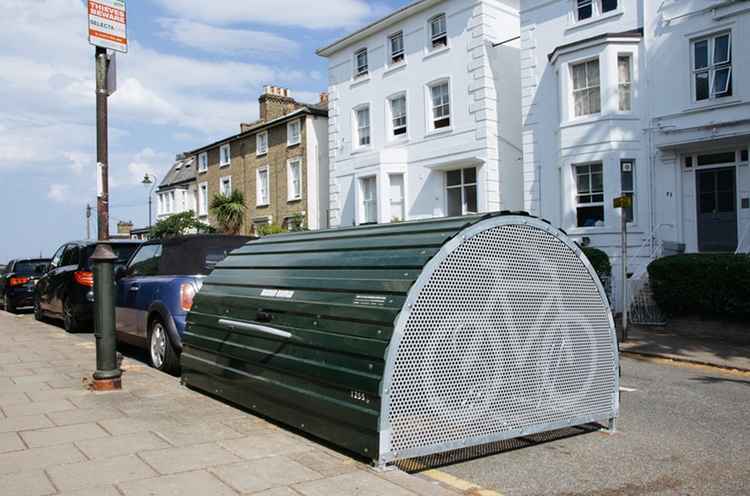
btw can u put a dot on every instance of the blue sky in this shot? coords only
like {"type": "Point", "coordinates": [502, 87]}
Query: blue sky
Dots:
{"type": "Point", "coordinates": [193, 73]}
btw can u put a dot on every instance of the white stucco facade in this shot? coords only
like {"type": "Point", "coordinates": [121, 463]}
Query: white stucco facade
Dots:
{"type": "Point", "coordinates": [643, 115]}
{"type": "Point", "coordinates": [377, 175]}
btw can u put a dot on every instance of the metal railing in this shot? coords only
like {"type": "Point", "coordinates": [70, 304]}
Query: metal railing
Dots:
{"type": "Point", "coordinates": [743, 246]}
{"type": "Point", "coordinates": [643, 310]}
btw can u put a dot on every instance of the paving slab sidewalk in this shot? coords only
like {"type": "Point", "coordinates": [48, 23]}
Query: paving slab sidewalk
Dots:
{"type": "Point", "coordinates": [154, 437]}
{"type": "Point", "coordinates": [664, 344]}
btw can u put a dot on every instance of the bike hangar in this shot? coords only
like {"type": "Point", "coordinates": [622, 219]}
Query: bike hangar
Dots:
{"type": "Point", "coordinates": [409, 339]}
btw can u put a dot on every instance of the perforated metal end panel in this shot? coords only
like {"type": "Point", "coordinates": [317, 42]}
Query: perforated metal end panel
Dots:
{"type": "Point", "coordinates": [508, 333]}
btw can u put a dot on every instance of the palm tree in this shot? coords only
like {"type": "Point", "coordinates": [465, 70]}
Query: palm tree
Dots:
{"type": "Point", "coordinates": [229, 211]}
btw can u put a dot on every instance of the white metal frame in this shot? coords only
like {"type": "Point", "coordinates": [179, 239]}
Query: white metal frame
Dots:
{"type": "Point", "coordinates": [386, 454]}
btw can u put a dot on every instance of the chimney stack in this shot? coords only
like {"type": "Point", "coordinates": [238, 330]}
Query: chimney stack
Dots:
{"type": "Point", "coordinates": [324, 98]}
{"type": "Point", "coordinates": [275, 102]}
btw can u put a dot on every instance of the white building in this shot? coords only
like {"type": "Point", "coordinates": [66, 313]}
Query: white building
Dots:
{"type": "Point", "coordinates": [178, 191]}
{"type": "Point", "coordinates": [424, 113]}
{"type": "Point", "coordinates": [649, 99]}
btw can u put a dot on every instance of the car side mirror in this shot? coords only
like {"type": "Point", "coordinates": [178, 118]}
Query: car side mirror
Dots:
{"type": "Point", "coordinates": [120, 272]}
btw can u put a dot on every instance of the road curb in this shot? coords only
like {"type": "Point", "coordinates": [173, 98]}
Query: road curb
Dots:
{"type": "Point", "coordinates": [671, 358]}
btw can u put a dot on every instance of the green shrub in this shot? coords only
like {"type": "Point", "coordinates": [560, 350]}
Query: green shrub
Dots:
{"type": "Point", "coordinates": [599, 260]}
{"type": "Point", "coordinates": [268, 229]}
{"type": "Point", "coordinates": [709, 285]}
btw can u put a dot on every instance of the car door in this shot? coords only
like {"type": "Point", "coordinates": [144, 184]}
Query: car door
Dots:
{"type": "Point", "coordinates": [46, 284]}
{"type": "Point", "coordinates": [143, 264]}
{"type": "Point", "coordinates": [62, 277]}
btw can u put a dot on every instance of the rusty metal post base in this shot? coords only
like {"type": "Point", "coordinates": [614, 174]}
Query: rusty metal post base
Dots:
{"type": "Point", "coordinates": [106, 384]}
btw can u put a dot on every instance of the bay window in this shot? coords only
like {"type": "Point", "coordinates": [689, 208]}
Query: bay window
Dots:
{"type": "Point", "coordinates": [624, 83]}
{"type": "Point", "coordinates": [586, 90]}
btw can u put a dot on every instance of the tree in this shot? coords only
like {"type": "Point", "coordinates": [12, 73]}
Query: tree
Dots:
{"type": "Point", "coordinates": [179, 225]}
{"type": "Point", "coordinates": [229, 211]}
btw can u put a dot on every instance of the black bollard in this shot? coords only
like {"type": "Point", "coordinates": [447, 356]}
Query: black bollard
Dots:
{"type": "Point", "coordinates": [108, 374]}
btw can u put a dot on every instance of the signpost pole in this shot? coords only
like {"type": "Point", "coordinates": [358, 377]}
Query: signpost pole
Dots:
{"type": "Point", "coordinates": [624, 203]}
{"type": "Point", "coordinates": [624, 273]}
{"type": "Point", "coordinates": [107, 30]}
{"type": "Point", "coordinates": [108, 374]}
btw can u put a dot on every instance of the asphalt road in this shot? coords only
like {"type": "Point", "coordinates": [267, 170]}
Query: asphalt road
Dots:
{"type": "Point", "coordinates": [683, 430]}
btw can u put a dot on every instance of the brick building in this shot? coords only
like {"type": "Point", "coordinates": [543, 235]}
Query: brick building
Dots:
{"type": "Point", "coordinates": [279, 162]}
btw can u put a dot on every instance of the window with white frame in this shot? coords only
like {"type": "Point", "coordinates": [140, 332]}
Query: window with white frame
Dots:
{"type": "Point", "coordinates": [294, 179]}
{"type": "Point", "coordinates": [398, 115]}
{"type": "Point", "coordinates": [397, 197]}
{"type": "Point", "coordinates": [624, 83]}
{"type": "Point", "coordinates": [261, 143]}
{"type": "Point", "coordinates": [361, 66]}
{"type": "Point", "coordinates": [203, 162]}
{"type": "Point", "coordinates": [225, 185]}
{"type": "Point", "coordinates": [440, 103]}
{"type": "Point", "coordinates": [203, 199]}
{"type": "Point", "coordinates": [261, 190]}
{"type": "Point", "coordinates": [369, 188]}
{"type": "Point", "coordinates": [627, 186]}
{"type": "Point", "coordinates": [589, 194]}
{"type": "Point", "coordinates": [172, 202]}
{"type": "Point", "coordinates": [160, 207]}
{"type": "Point", "coordinates": [461, 191]}
{"type": "Point", "coordinates": [293, 133]}
{"type": "Point", "coordinates": [396, 45]}
{"type": "Point", "coordinates": [712, 67]}
{"type": "Point", "coordinates": [586, 90]}
{"type": "Point", "coordinates": [225, 155]}
{"type": "Point", "coordinates": [362, 122]}
{"type": "Point", "coordinates": [586, 9]}
{"type": "Point", "coordinates": [438, 32]}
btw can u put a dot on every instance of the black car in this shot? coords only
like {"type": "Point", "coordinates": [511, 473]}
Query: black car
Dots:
{"type": "Point", "coordinates": [67, 290]}
{"type": "Point", "coordinates": [17, 282]}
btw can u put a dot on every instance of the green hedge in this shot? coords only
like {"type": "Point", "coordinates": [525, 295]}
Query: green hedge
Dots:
{"type": "Point", "coordinates": [708, 285]}
{"type": "Point", "coordinates": [599, 260]}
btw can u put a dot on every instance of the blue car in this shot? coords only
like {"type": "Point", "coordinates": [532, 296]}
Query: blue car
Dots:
{"type": "Point", "coordinates": [155, 292]}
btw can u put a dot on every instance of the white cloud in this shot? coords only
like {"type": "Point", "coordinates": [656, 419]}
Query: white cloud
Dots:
{"type": "Point", "coordinates": [321, 14]}
{"type": "Point", "coordinates": [225, 40]}
{"type": "Point", "coordinates": [79, 161]}
{"type": "Point", "coordinates": [146, 161]}
{"type": "Point", "coordinates": [59, 193]}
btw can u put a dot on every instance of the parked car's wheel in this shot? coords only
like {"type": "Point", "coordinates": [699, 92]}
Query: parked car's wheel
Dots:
{"type": "Point", "coordinates": [38, 313]}
{"type": "Point", "coordinates": [70, 321]}
{"type": "Point", "coordinates": [160, 350]}
{"type": "Point", "coordinates": [8, 305]}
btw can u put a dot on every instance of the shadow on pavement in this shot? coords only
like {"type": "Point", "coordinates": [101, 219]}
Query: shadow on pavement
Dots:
{"type": "Point", "coordinates": [420, 464]}
{"type": "Point", "coordinates": [718, 380]}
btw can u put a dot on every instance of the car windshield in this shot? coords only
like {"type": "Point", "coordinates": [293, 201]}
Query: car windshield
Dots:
{"type": "Point", "coordinates": [197, 256]}
{"type": "Point", "coordinates": [31, 268]}
{"type": "Point", "coordinates": [123, 251]}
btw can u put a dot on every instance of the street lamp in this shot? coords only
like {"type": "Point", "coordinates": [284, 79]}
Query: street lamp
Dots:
{"type": "Point", "coordinates": [152, 181]}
